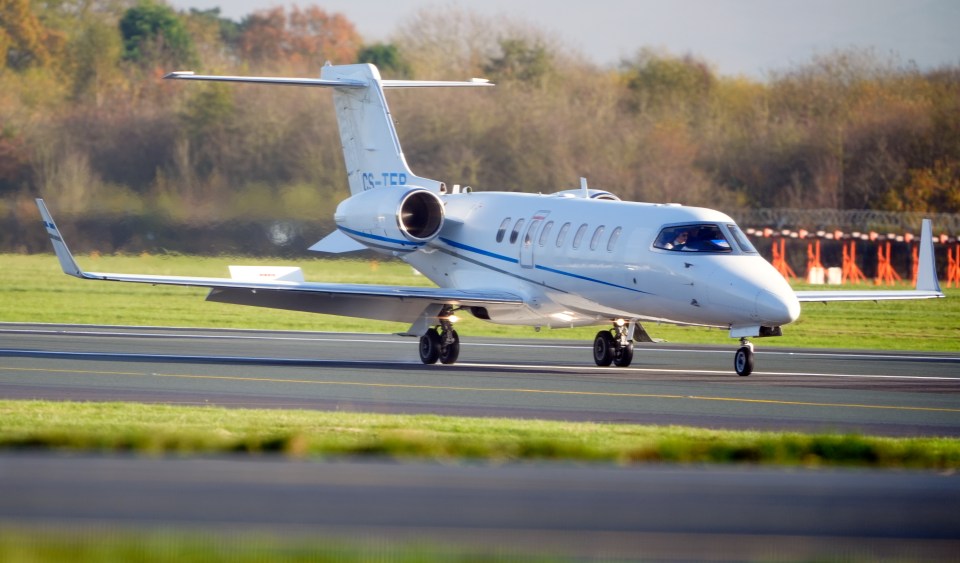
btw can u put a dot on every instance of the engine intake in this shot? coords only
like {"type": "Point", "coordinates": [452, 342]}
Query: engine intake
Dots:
{"type": "Point", "coordinates": [394, 219]}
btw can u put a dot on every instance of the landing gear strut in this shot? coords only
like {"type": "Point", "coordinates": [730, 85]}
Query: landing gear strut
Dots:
{"type": "Point", "coordinates": [743, 359]}
{"type": "Point", "coordinates": [441, 342]}
{"type": "Point", "coordinates": [613, 346]}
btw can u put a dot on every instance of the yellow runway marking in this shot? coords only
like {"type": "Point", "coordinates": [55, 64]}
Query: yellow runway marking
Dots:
{"type": "Point", "coordinates": [487, 389]}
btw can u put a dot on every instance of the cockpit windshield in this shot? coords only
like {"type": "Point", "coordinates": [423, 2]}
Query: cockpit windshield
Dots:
{"type": "Point", "coordinates": [693, 238]}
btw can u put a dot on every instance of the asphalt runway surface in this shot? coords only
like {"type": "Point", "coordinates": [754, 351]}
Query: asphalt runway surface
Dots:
{"type": "Point", "coordinates": [886, 393]}
{"type": "Point", "coordinates": [578, 510]}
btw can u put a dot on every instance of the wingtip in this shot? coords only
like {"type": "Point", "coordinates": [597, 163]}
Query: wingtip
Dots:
{"type": "Point", "coordinates": [178, 74]}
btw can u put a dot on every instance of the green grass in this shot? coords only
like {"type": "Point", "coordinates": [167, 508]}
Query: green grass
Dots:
{"type": "Point", "coordinates": [167, 429]}
{"type": "Point", "coordinates": [33, 289]}
{"type": "Point", "coordinates": [106, 544]}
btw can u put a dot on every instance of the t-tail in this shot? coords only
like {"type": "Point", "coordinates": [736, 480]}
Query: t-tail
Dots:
{"type": "Point", "coordinates": [371, 148]}
{"type": "Point", "coordinates": [374, 160]}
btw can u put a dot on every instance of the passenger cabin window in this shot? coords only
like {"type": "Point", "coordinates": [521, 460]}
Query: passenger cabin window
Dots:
{"type": "Point", "coordinates": [579, 236]}
{"type": "Point", "coordinates": [545, 233]}
{"type": "Point", "coordinates": [595, 241]}
{"type": "Point", "coordinates": [614, 237]}
{"type": "Point", "coordinates": [531, 230]}
{"type": "Point", "coordinates": [503, 229]}
{"type": "Point", "coordinates": [693, 238]}
{"type": "Point", "coordinates": [516, 231]}
{"type": "Point", "coordinates": [562, 235]}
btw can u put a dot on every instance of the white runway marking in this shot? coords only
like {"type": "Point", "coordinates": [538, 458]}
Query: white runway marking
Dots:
{"type": "Point", "coordinates": [361, 363]}
{"type": "Point", "coordinates": [371, 339]}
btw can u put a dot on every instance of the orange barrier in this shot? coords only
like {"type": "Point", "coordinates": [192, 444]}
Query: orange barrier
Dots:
{"type": "Point", "coordinates": [851, 272]}
{"type": "Point", "coordinates": [885, 272]}
{"type": "Point", "coordinates": [780, 260]}
{"type": "Point", "coordinates": [813, 256]}
{"type": "Point", "coordinates": [953, 266]}
{"type": "Point", "coordinates": [915, 260]}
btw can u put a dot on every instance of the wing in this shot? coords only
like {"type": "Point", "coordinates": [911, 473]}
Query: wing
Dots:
{"type": "Point", "coordinates": [383, 302]}
{"type": "Point", "coordinates": [928, 287]}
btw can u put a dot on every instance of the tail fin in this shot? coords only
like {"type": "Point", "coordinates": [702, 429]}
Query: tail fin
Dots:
{"type": "Point", "coordinates": [371, 149]}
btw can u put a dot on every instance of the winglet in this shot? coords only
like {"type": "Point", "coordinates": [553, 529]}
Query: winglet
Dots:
{"type": "Point", "coordinates": [67, 262]}
{"type": "Point", "coordinates": [927, 268]}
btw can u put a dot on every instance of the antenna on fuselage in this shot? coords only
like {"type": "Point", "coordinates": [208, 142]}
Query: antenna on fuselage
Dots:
{"type": "Point", "coordinates": [585, 192]}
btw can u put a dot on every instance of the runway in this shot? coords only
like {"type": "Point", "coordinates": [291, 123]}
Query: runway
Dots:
{"type": "Point", "coordinates": [578, 511]}
{"type": "Point", "coordinates": [572, 510]}
{"type": "Point", "coordinates": [887, 393]}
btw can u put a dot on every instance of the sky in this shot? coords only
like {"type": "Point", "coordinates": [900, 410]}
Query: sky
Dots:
{"type": "Point", "coordinates": [748, 37]}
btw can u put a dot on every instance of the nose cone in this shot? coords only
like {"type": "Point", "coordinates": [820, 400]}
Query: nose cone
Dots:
{"type": "Point", "coordinates": [775, 309]}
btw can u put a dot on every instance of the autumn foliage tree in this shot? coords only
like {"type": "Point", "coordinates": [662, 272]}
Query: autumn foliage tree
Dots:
{"type": "Point", "coordinates": [24, 40]}
{"type": "Point", "coordinates": [301, 39]}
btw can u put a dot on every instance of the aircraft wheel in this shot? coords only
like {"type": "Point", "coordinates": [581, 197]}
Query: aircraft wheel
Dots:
{"type": "Point", "coordinates": [743, 361]}
{"type": "Point", "coordinates": [450, 352]}
{"type": "Point", "coordinates": [603, 348]}
{"type": "Point", "coordinates": [430, 347]}
{"type": "Point", "coordinates": [623, 355]}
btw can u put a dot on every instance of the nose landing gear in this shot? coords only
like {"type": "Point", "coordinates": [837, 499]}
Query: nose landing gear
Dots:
{"type": "Point", "coordinates": [743, 359]}
{"type": "Point", "coordinates": [613, 346]}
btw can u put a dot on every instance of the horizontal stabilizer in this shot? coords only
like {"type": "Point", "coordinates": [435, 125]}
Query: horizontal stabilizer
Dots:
{"type": "Point", "coordinates": [322, 83]}
{"type": "Point", "coordinates": [275, 80]}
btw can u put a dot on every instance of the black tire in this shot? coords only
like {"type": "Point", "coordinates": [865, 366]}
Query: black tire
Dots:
{"type": "Point", "coordinates": [743, 361]}
{"type": "Point", "coordinates": [450, 352]}
{"type": "Point", "coordinates": [623, 355]}
{"type": "Point", "coordinates": [430, 347]}
{"type": "Point", "coordinates": [603, 346]}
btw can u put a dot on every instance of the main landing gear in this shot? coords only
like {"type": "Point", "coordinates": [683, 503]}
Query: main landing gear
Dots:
{"type": "Point", "coordinates": [743, 359]}
{"type": "Point", "coordinates": [440, 343]}
{"type": "Point", "coordinates": [613, 346]}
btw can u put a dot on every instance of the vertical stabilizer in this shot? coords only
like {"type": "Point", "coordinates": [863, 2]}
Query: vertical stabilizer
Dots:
{"type": "Point", "coordinates": [371, 148]}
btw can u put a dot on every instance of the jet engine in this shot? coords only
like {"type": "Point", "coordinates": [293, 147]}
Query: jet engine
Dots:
{"type": "Point", "coordinates": [393, 219]}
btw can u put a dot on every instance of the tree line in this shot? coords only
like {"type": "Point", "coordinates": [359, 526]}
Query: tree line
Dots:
{"type": "Point", "coordinates": [87, 122]}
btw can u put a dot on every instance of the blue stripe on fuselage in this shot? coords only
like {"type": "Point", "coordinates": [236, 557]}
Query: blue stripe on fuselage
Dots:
{"type": "Point", "coordinates": [405, 243]}
{"type": "Point", "coordinates": [476, 250]}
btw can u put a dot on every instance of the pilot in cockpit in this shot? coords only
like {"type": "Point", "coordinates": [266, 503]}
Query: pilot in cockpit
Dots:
{"type": "Point", "coordinates": [679, 242]}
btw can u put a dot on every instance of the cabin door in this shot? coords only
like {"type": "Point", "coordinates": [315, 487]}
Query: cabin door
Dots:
{"type": "Point", "coordinates": [529, 240]}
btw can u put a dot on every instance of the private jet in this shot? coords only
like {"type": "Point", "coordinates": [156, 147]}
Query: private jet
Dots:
{"type": "Point", "coordinates": [576, 257]}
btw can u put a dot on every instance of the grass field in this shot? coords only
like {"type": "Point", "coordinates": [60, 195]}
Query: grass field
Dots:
{"type": "Point", "coordinates": [33, 289]}
{"type": "Point", "coordinates": [172, 429]}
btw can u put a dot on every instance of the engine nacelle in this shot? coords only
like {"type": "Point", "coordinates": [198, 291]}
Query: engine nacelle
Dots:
{"type": "Point", "coordinates": [393, 219]}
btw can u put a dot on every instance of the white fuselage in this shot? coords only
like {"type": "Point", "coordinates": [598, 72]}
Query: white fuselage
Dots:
{"type": "Point", "coordinates": [569, 280]}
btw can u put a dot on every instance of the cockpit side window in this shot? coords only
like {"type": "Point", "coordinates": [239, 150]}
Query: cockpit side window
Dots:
{"type": "Point", "coordinates": [702, 237]}
{"type": "Point", "coordinates": [742, 241]}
